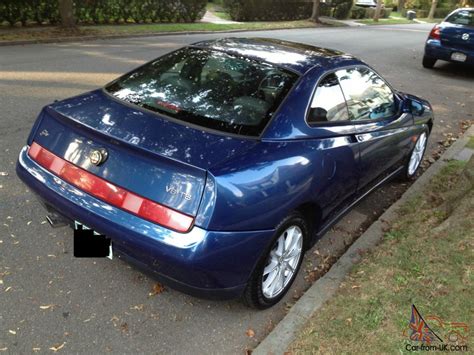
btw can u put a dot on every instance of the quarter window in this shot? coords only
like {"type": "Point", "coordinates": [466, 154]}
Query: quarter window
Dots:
{"type": "Point", "coordinates": [328, 103]}
{"type": "Point", "coordinates": [368, 97]}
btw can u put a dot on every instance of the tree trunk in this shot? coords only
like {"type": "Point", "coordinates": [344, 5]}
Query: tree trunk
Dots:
{"type": "Point", "coordinates": [66, 11]}
{"type": "Point", "coordinates": [401, 6]}
{"type": "Point", "coordinates": [434, 4]}
{"type": "Point", "coordinates": [378, 9]}
{"type": "Point", "coordinates": [315, 13]}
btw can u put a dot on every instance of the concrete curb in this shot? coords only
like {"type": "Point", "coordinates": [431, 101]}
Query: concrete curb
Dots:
{"type": "Point", "coordinates": [285, 332]}
{"type": "Point", "coordinates": [149, 34]}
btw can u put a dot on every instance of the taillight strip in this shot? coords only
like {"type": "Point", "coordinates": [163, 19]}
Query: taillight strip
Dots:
{"type": "Point", "coordinates": [110, 193]}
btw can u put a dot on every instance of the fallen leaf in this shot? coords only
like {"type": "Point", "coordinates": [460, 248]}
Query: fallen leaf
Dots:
{"type": "Point", "coordinates": [3, 173]}
{"type": "Point", "coordinates": [138, 307]}
{"type": "Point", "coordinates": [124, 327]}
{"type": "Point", "coordinates": [36, 349]}
{"type": "Point", "coordinates": [8, 288]}
{"type": "Point", "coordinates": [355, 286]}
{"type": "Point", "coordinates": [250, 333]}
{"type": "Point", "coordinates": [12, 332]}
{"type": "Point", "coordinates": [48, 306]}
{"type": "Point", "coordinates": [157, 289]}
{"type": "Point", "coordinates": [3, 349]}
{"type": "Point", "coordinates": [57, 347]}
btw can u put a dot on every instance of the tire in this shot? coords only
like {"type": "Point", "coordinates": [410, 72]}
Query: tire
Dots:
{"type": "Point", "coordinates": [261, 292]}
{"type": "Point", "coordinates": [415, 158]}
{"type": "Point", "coordinates": [429, 62]}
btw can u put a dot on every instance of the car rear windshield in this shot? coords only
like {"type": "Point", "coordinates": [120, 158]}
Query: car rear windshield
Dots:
{"type": "Point", "coordinates": [462, 17]}
{"type": "Point", "coordinates": [208, 88]}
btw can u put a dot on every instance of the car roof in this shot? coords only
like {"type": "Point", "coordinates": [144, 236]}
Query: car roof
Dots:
{"type": "Point", "coordinates": [294, 56]}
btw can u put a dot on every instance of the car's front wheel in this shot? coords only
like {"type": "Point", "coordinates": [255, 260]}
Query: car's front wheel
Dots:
{"type": "Point", "coordinates": [277, 269]}
{"type": "Point", "coordinates": [416, 156]}
{"type": "Point", "coordinates": [428, 62]}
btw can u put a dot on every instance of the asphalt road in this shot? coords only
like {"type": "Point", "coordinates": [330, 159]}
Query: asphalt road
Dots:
{"type": "Point", "coordinates": [50, 299]}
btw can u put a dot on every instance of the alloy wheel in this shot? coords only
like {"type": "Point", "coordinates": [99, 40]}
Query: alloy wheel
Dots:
{"type": "Point", "coordinates": [417, 154]}
{"type": "Point", "coordinates": [282, 263]}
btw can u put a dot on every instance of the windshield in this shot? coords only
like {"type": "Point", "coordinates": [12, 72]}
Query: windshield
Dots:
{"type": "Point", "coordinates": [462, 17]}
{"type": "Point", "coordinates": [208, 88]}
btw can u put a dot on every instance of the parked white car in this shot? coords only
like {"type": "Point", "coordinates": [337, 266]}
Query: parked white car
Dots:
{"type": "Point", "coordinates": [366, 3]}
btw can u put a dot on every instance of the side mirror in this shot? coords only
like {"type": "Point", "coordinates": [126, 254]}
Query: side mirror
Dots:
{"type": "Point", "coordinates": [317, 114]}
{"type": "Point", "coordinates": [416, 108]}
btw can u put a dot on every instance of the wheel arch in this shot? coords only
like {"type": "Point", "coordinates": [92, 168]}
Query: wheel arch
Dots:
{"type": "Point", "coordinates": [312, 213]}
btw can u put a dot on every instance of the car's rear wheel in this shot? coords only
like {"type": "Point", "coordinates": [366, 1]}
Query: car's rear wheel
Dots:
{"type": "Point", "coordinates": [279, 265]}
{"type": "Point", "coordinates": [428, 62]}
{"type": "Point", "coordinates": [416, 156]}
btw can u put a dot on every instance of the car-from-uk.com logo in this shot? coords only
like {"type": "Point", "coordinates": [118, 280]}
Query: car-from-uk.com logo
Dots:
{"type": "Point", "coordinates": [439, 335]}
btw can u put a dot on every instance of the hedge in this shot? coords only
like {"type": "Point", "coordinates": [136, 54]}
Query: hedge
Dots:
{"type": "Point", "coordinates": [280, 10]}
{"type": "Point", "coordinates": [103, 11]}
{"type": "Point", "coordinates": [359, 12]}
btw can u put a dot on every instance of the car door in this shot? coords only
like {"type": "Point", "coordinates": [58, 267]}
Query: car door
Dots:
{"type": "Point", "coordinates": [334, 133]}
{"type": "Point", "coordinates": [383, 131]}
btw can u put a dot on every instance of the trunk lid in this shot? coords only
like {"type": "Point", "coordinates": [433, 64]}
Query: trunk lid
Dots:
{"type": "Point", "coordinates": [147, 154]}
{"type": "Point", "coordinates": [457, 36]}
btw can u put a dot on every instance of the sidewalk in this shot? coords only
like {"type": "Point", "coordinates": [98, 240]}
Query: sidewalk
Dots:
{"type": "Point", "coordinates": [350, 23]}
{"type": "Point", "coordinates": [209, 17]}
{"type": "Point", "coordinates": [279, 340]}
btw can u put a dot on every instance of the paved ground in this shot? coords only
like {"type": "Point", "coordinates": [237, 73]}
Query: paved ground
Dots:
{"type": "Point", "coordinates": [101, 306]}
{"type": "Point", "coordinates": [211, 18]}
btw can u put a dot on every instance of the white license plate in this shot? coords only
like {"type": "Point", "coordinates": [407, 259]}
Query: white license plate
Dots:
{"type": "Point", "coordinates": [79, 225]}
{"type": "Point", "coordinates": [458, 57]}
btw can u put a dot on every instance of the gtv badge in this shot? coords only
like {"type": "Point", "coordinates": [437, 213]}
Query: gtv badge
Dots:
{"type": "Point", "coordinates": [97, 157]}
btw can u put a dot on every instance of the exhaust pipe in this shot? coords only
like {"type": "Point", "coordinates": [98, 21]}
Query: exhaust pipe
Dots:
{"type": "Point", "coordinates": [56, 220]}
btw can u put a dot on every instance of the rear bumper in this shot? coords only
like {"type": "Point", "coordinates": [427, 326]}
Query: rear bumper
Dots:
{"type": "Point", "coordinates": [434, 49]}
{"type": "Point", "coordinates": [209, 264]}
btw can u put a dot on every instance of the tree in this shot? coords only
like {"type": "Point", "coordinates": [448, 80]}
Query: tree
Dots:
{"type": "Point", "coordinates": [316, 10]}
{"type": "Point", "coordinates": [401, 6]}
{"type": "Point", "coordinates": [378, 9]}
{"type": "Point", "coordinates": [434, 4]}
{"type": "Point", "coordinates": [66, 11]}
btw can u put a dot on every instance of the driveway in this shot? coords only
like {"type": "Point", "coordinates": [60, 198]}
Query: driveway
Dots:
{"type": "Point", "coordinates": [49, 299]}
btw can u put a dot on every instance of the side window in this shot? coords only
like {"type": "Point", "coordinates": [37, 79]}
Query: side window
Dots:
{"type": "Point", "coordinates": [328, 102]}
{"type": "Point", "coordinates": [367, 95]}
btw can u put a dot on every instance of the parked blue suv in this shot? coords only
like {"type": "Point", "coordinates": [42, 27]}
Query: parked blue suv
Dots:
{"type": "Point", "coordinates": [452, 40]}
{"type": "Point", "coordinates": [217, 165]}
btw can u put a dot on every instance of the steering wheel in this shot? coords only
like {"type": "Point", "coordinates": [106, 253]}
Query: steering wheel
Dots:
{"type": "Point", "coordinates": [270, 86]}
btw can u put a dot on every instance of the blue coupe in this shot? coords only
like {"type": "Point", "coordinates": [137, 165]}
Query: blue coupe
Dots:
{"type": "Point", "coordinates": [216, 166]}
{"type": "Point", "coordinates": [452, 40]}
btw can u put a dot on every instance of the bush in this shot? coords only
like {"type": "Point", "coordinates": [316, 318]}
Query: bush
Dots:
{"type": "Point", "coordinates": [268, 10]}
{"type": "Point", "coordinates": [103, 11]}
{"type": "Point", "coordinates": [387, 12]}
{"type": "Point", "coordinates": [442, 12]}
{"type": "Point", "coordinates": [384, 12]}
{"type": "Point", "coordinates": [422, 13]}
{"type": "Point", "coordinates": [358, 12]}
{"type": "Point", "coordinates": [278, 10]}
{"type": "Point", "coordinates": [342, 9]}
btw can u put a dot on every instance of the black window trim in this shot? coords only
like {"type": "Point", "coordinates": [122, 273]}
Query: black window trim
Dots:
{"type": "Point", "coordinates": [349, 122]}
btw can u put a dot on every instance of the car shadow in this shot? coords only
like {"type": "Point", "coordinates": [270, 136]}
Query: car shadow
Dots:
{"type": "Point", "coordinates": [447, 69]}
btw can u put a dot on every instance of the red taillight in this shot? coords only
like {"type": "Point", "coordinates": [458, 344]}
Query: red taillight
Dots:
{"type": "Point", "coordinates": [435, 33]}
{"type": "Point", "coordinates": [110, 193]}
